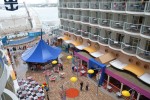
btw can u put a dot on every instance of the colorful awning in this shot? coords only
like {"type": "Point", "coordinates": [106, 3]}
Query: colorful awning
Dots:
{"type": "Point", "coordinates": [135, 69]}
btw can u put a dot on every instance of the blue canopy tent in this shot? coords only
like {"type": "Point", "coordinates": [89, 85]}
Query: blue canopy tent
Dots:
{"type": "Point", "coordinates": [41, 53]}
{"type": "Point", "coordinates": [93, 64]}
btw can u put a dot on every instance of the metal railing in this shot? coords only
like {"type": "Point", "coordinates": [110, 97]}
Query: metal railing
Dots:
{"type": "Point", "coordinates": [105, 5]}
{"type": "Point", "coordinates": [117, 24]}
{"type": "Point", "coordinates": [77, 31]}
{"type": "Point", "coordinates": [70, 4]}
{"type": "Point", "coordinates": [130, 27]}
{"type": "Point", "coordinates": [93, 20]}
{"type": "Point", "coordinates": [135, 6]}
{"type": "Point", "coordinates": [93, 36]}
{"type": "Point", "coordinates": [85, 18]}
{"type": "Point", "coordinates": [118, 6]}
{"type": "Point", "coordinates": [104, 22]}
{"type": "Point", "coordinates": [94, 5]}
{"type": "Point", "coordinates": [77, 5]}
{"type": "Point", "coordinates": [115, 44]}
{"type": "Point", "coordinates": [77, 17]}
{"type": "Point", "coordinates": [126, 47]}
{"type": "Point", "coordinates": [143, 53]}
{"type": "Point", "coordinates": [71, 30]}
{"type": "Point", "coordinates": [103, 40]}
{"type": "Point", "coordinates": [85, 34]}
{"type": "Point", "coordinates": [145, 30]}
{"type": "Point", "coordinates": [70, 16]}
{"type": "Point", "coordinates": [147, 7]}
{"type": "Point", "coordinates": [85, 5]}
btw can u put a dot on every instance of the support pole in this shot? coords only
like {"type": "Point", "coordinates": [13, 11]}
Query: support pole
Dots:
{"type": "Point", "coordinates": [121, 87]}
{"type": "Point", "coordinates": [108, 80]}
{"type": "Point", "coordinates": [138, 96]}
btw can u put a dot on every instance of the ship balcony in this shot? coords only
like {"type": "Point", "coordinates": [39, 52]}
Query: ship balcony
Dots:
{"type": "Point", "coordinates": [105, 5]}
{"type": "Point", "coordinates": [64, 15]}
{"type": "Point", "coordinates": [60, 15]}
{"type": "Point", "coordinates": [71, 30]}
{"type": "Point", "coordinates": [60, 5]}
{"type": "Point", "coordinates": [143, 54]}
{"type": "Point", "coordinates": [61, 27]}
{"type": "Point", "coordinates": [70, 16]}
{"type": "Point", "coordinates": [85, 19]}
{"type": "Point", "coordinates": [135, 7]}
{"type": "Point", "coordinates": [145, 31]}
{"type": "Point", "coordinates": [128, 49]}
{"type": "Point", "coordinates": [118, 6]}
{"type": "Point", "coordinates": [66, 28]}
{"type": "Point", "coordinates": [131, 28]}
{"type": "Point", "coordinates": [94, 36]}
{"type": "Point", "coordinates": [117, 24]}
{"type": "Point", "coordinates": [104, 22]}
{"type": "Point", "coordinates": [93, 20]}
{"type": "Point", "coordinates": [85, 34]}
{"type": "Point", "coordinates": [77, 4]}
{"type": "Point", "coordinates": [77, 17]}
{"type": "Point", "coordinates": [94, 5]}
{"type": "Point", "coordinates": [85, 5]}
{"type": "Point", "coordinates": [114, 44]}
{"type": "Point", "coordinates": [64, 5]}
{"type": "Point", "coordinates": [103, 40]}
{"type": "Point", "coordinates": [147, 8]}
{"type": "Point", "coordinates": [70, 4]}
{"type": "Point", "coordinates": [78, 32]}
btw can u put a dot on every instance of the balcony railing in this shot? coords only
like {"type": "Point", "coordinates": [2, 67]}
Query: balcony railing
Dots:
{"type": "Point", "coordinates": [105, 5]}
{"type": "Point", "coordinates": [77, 17]}
{"type": "Point", "coordinates": [117, 24]}
{"type": "Point", "coordinates": [66, 28]}
{"type": "Point", "coordinates": [60, 15]}
{"type": "Point", "coordinates": [130, 27]}
{"type": "Point", "coordinates": [71, 30]}
{"type": "Point", "coordinates": [145, 30]}
{"type": "Point", "coordinates": [94, 5]}
{"type": "Point", "coordinates": [85, 5]}
{"type": "Point", "coordinates": [70, 16]}
{"type": "Point", "coordinates": [85, 34]}
{"type": "Point", "coordinates": [126, 47]}
{"type": "Point", "coordinates": [77, 32]}
{"type": "Point", "coordinates": [64, 5]}
{"type": "Point", "coordinates": [143, 53]}
{"type": "Point", "coordinates": [85, 19]}
{"type": "Point", "coordinates": [70, 4]}
{"type": "Point", "coordinates": [115, 44]}
{"type": "Point", "coordinates": [60, 4]}
{"type": "Point", "coordinates": [147, 9]}
{"type": "Point", "coordinates": [77, 5]}
{"type": "Point", "coordinates": [103, 40]}
{"type": "Point", "coordinates": [64, 15]}
{"type": "Point", "coordinates": [93, 20]}
{"type": "Point", "coordinates": [118, 6]}
{"type": "Point", "coordinates": [135, 6]}
{"type": "Point", "coordinates": [94, 36]}
{"type": "Point", "coordinates": [104, 22]}
{"type": "Point", "coordinates": [61, 27]}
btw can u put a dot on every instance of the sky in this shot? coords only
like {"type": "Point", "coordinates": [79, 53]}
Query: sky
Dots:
{"type": "Point", "coordinates": [33, 1]}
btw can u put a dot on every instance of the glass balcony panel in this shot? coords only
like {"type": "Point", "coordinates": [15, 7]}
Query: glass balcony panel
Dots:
{"type": "Point", "coordinates": [117, 24]}
{"type": "Point", "coordinates": [85, 18]}
{"type": "Point", "coordinates": [71, 30]}
{"type": "Point", "coordinates": [77, 5]}
{"type": "Point", "coordinates": [103, 40]}
{"type": "Point", "coordinates": [77, 17]}
{"type": "Point", "coordinates": [64, 5]}
{"type": "Point", "coordinates": [126, 47]}
{"type": "Point", "coordinates": [145, 30]}
{"type": "Point", "coordinates": [94, 36]}
{"type": "Point", "coordinates": [130, 27]}
{"type": "Point", "coordinates": [119, 6]}
{"type": "Point", "coordinates": [60, 15]}
{"type": "Point", "coordinates": [71, 5]}
{"type": "Point", "coordinates": [94, 5]}
{"type": "Point", "coordinates": [61, 27]}
{"type": "Point", "coordinates": [66, 28]}
{"type": "Point", "coordinates": [143, 53]}
{"type": "Point", "coordinates": [60, 4]}
{"type": "Point", "coordinates": [93, 20]}
{"type": "Point", "coordinates": [135, 6]}
{"type": "Point", "coordinates": [85, 34]}
{"type": "Point", "coordinates": [70, 16]}
{"type": "Point", "coordinates": [64, 15]}
{"type": "Point", "coordinates": [104, 22]}
{"type": "Point", "coordinates": [85, 5]}
{"type": "Point", "coordinates": [115, 44]}
{"type": "Point", "coordinates": [147, 7]}
{"type": "Point", "coordinates": [105, 5]}
{"type": "Point", "coordinates": [77, 32]}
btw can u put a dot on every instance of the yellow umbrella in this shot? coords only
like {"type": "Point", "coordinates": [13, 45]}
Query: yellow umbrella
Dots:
{"type": "Point", "coordinates": [43, 86]}
{"type": "Point", "coordinates": [126, 93]}
{"type": "Point", "coordinates": [54, 62]}
{"type": "Point", "coordinates": [73, 79]}
{"type": "Point", "coordinates": [69, 57]}
{"type": "Point", "coordinates": [90, 71]}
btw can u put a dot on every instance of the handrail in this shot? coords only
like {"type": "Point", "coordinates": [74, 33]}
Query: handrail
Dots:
{"type": "Point", "coordinates": [132, 23]}
{"type": "Point", "coordinates": [128, 45]}
{"type": "Point", "coordinates": [143, 50]}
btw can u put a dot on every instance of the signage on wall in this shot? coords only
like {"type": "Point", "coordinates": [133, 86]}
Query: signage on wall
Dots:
{"type": "Point", "coordinates": [11, 5]}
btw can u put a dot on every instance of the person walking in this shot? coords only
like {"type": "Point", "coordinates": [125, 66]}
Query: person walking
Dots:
{"type": "Point", "coordinates": [87, 86]}
{"type": "Point", "coordinates": [81, 85]}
